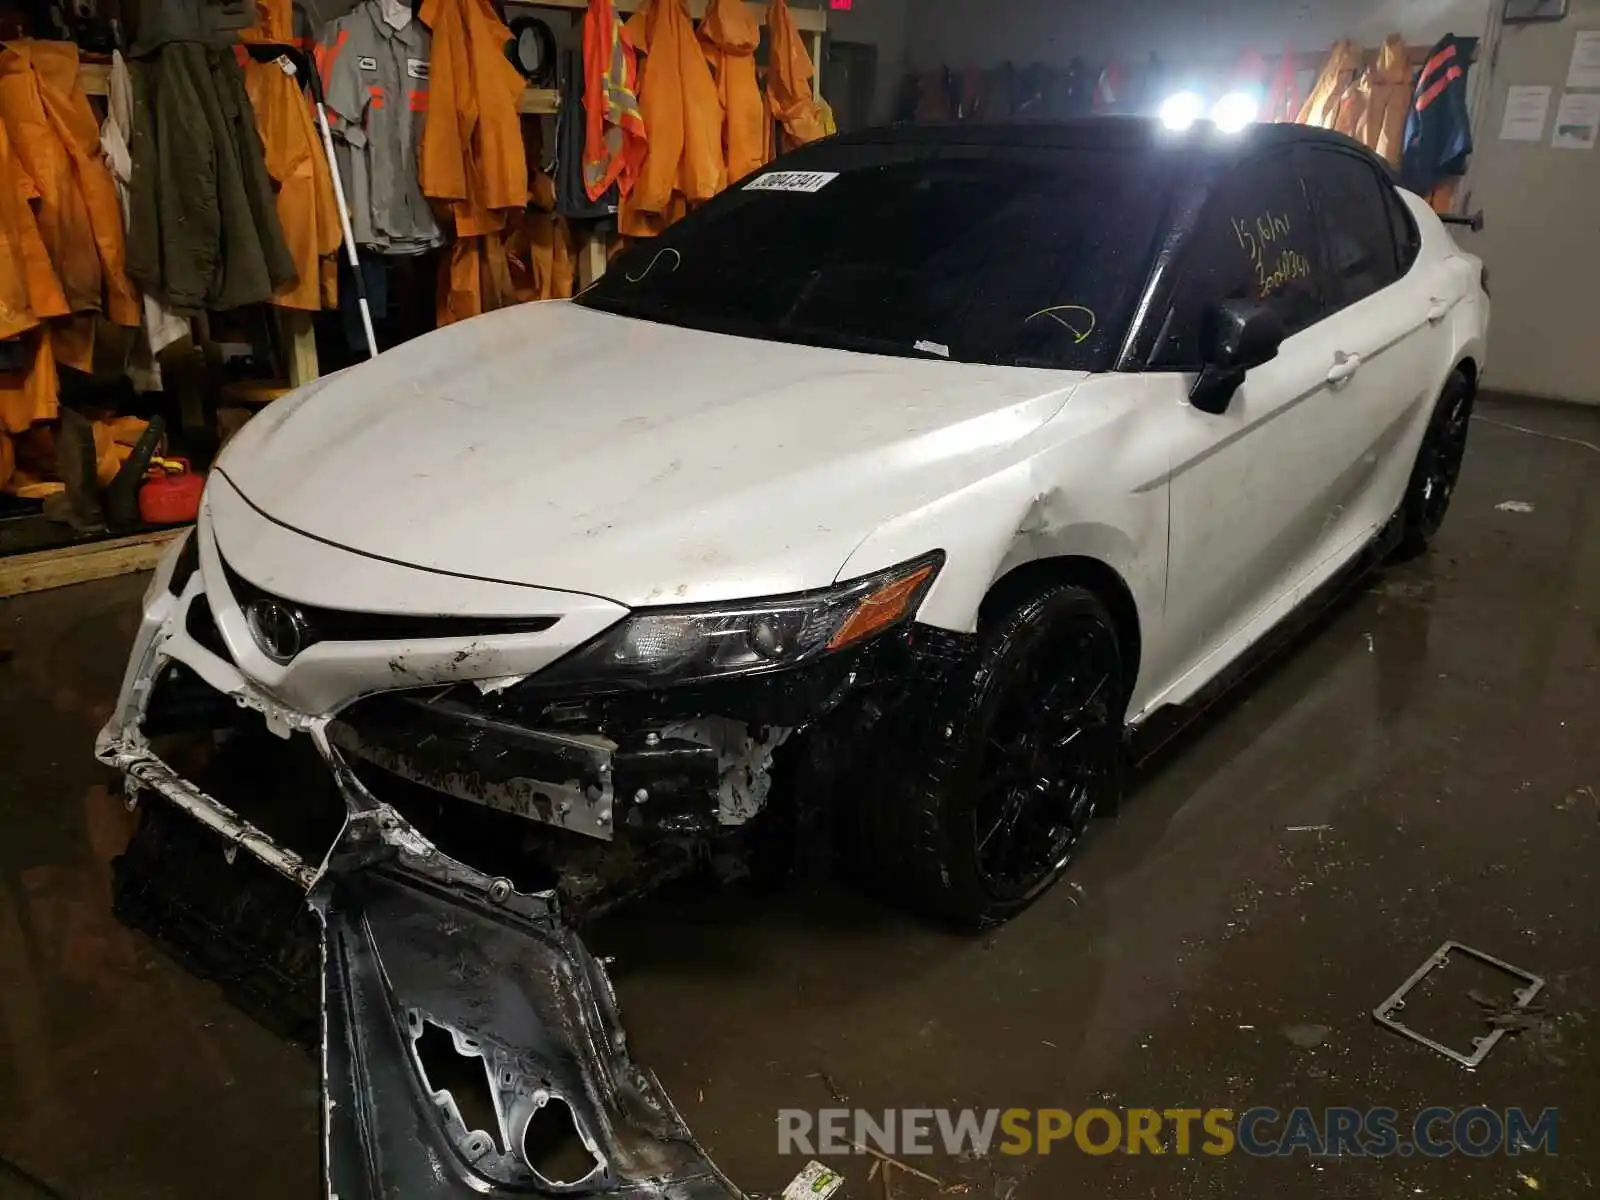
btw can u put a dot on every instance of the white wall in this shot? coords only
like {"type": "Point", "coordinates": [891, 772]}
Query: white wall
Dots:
{"type": "Point", "coordinates": [1541, 240]}
{"type": "Point", "coordinates": [884, 24]}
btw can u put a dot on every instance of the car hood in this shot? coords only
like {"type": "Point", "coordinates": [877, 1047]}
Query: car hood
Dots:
{"type": "Point", "coordinates": [561, 447]}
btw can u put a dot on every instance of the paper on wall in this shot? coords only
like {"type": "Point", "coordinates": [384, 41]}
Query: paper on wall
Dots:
{"type": "Point", "coordinates": [1577, 121]}
{"type": "Point", "coordinates": [1526, 110]}
{"type": "Point", "coordinates": [1584, 70]}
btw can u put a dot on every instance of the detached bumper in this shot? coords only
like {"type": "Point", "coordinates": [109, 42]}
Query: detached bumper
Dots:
{"type": "Point", "coordinates": [533, 1017]}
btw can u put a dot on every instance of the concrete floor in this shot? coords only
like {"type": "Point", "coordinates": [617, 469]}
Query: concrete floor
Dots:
{"type": "Point", "coordinates": [1442, 726]}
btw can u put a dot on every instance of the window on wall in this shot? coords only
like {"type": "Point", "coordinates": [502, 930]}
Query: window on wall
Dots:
{"type": "Point", "coordinates": [1356, 224]}
{"type": "Point", "coordinates": [1256, 240]}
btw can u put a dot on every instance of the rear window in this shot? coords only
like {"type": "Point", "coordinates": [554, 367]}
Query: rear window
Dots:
{"type": "Point", "coordinates": [977, 255]}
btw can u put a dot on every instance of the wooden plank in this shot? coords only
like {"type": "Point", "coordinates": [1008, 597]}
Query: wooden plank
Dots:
{"type": "Point", "coordinates": [539, 102]}
{"type": "Point", "coordinates": [592, 260]}
{"type": "Point", "coordinates": [95, 77]}
{"type": "Point", "coordinates": [45, 569]}
{"type": "Point", "coordinates": [300, 344]}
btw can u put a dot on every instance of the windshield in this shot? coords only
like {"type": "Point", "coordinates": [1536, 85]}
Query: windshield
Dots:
{"type": "Point", "coordinates": [1019, 257]}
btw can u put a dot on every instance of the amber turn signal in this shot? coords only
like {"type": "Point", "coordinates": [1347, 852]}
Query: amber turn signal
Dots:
{"type": "Point", "coordinates": [880, 610]}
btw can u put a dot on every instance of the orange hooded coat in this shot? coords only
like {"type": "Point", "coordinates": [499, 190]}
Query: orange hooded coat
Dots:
{"type": "Point", "coordinates": [59, 221]}
{"type": "Point", "coordinates": [1387, 92]}
{"type": "Point", "coordinates": [56, 139]}
{"type": "Point", "coordinates": [683, 115]}
{"type": "Point", "coordinates": [307, 207]}
{"type": "Point", "coordinates": [1325, 107]}
{"type": "Point", "coordinates": [730, 34]}
{"type": "Point", "coordinates": [472, 162]}
{"type": "Point", "coordinates": [789, 73]}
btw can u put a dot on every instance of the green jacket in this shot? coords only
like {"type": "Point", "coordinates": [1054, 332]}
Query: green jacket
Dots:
{"type": "Point", "coordinates": [203, 228]}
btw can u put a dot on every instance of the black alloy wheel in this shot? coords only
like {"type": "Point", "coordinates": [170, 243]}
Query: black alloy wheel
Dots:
{"type": "Point", "coordinates": [1051, 751]}
{"type": "Point", "coordinates": [1438, 467]}
{"type": "Point", "coordinates": [989, 801]}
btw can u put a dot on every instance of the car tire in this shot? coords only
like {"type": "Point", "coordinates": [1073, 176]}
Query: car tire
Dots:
{"type": "Point", "coordinates": [1438, 467]}
{"type": "Point", "coordinates": [1015, 755]}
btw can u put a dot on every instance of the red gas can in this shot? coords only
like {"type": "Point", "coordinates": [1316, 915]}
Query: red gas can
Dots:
{"type": "Point", "coordinates": [171, 493]}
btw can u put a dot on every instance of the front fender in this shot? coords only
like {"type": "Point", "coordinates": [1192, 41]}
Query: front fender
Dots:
{"type": "Point", "coordinates": [994, 526]}
{"type": "Point", "coordinates": [1091, 483]}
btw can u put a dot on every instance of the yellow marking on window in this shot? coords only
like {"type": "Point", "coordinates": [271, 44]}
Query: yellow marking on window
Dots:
{"type": "Point", "coordinates": [1079, 331]}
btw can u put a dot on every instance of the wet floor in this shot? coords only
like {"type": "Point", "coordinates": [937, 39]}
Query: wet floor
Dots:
{"type": "Point", "coordinates": [1426, 767]}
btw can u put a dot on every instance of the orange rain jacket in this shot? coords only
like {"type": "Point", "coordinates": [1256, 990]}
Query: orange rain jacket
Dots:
{"type": "Point", "coordinates": [472, 162]}
{"type": "Point", "coordinates": [683, 115]}
{"type": "Point", "coordinates": [1387, 93]}
{"type": "Point", "coordinates": [57, 140]}
{"type": "Point", "coordinates": [541, 248]}
{"type": "Point", "coordinates": [1326, 106]}
{"type": "Point", "coordinates": [789, 73]}
{"type": "Point", "coordinates": [614, 137]}
{"type": "Point", "coordinates": [307, 208]}
{"type": "Point", "coordinates": [61, 242]}
{"type": "Point", "coordinates": [731, 34]}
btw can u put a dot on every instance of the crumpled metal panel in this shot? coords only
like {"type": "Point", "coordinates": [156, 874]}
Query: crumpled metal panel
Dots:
{"type": "Point", "coordinates": [513, 985]}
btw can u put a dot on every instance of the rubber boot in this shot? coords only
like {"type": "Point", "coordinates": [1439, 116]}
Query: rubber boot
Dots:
{"type": "Point", "coordinates": [122, 494]}
{"type": "Point", "coordinates": [75, 460]}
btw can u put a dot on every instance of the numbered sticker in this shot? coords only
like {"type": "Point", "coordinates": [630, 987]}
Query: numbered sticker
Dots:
{"type": "Point", "coordinates": [792, 181]}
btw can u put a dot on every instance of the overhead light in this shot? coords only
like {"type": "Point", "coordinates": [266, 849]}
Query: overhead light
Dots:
{"type": "Point", "coordinates": [1181, 110]}
{"type": "Point", "coordinates": [1234, 111]}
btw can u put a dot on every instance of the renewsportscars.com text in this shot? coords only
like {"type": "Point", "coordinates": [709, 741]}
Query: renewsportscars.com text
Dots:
{"type": "Point", "coordinates": [1260, 1132]}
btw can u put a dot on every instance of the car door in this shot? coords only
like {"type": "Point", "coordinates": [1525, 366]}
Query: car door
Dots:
{"type": "Point", "coordinates": [1250, 486]}
{"type": "Point", "coordinates": [1384, 313]}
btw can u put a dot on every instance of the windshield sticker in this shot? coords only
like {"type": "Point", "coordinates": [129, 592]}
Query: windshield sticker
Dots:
{"type": "Point", "coordinates": [792, 181]}
{"type": "Point", "coordinates": [1257, 239]}
{"type": "Point", "coordinates": [1078, 320]}
{"type": "Point", "coordinates": [932, 348]}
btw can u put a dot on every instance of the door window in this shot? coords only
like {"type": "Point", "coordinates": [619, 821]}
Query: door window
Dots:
{"type": "Point", "coordinates": [1356, 225]}
{"type": "Point", "coordinates": [1256, 240]}
{"type": "Point", "coordinates": [1407, 238]}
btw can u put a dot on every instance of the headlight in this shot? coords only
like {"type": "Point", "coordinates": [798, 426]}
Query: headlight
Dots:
{"type": "Point", "coordinates": [662, 646]}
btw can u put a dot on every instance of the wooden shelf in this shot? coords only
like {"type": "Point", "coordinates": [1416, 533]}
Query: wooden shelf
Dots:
{"type": "Point", "coordinates": [539, 102]}
{"type": "Point", "coordinates": [95, 76]}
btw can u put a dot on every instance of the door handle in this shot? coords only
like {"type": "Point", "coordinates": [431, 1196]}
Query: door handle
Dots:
{"type": "Point", "coordinates": [1344, 366]}
{"type": "Point", "coordinates": [1437, 310]}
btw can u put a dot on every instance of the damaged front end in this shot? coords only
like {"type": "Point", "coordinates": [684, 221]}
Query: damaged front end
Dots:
{"type": "Point", "coordinates": [428, 844]}
{"type": "Point", "coordinates": [471, 1043]}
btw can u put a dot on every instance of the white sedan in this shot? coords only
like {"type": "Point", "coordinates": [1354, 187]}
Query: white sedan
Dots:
{"type": "Point", "coordinates": [904, 481]}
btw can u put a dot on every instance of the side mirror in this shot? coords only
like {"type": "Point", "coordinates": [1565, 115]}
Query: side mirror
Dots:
{"type": "Point", "coordinates": [1237, 335]}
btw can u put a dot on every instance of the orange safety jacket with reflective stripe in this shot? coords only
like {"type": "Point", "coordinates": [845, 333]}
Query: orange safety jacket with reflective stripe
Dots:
{"type": "Point", "coordinates": [789, 73]}
{"type": "Point", "coordinates": [731, 34]}
{"type": "Point", "coordinates": [614, 136]}
{"type": "Point", "coordinates": [683, 115]}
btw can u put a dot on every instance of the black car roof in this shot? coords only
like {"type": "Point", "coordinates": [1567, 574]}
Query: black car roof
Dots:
{"type": "Point", "coordinates": [1202, 141]}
